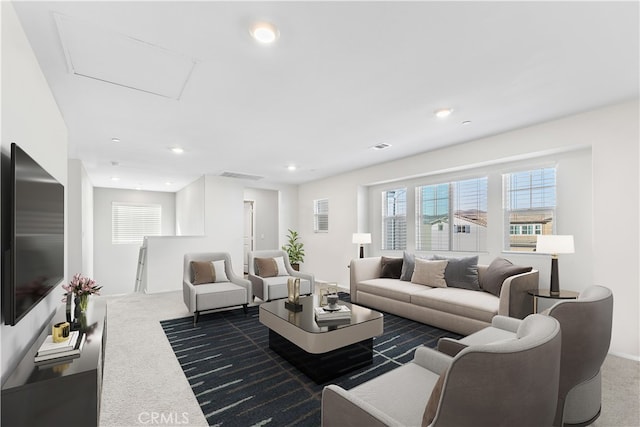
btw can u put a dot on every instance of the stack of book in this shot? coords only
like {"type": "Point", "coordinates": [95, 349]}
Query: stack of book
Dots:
{"type": "Point", "coordinates": [326, 313]}
{"type": "Point", "coordinates": [70, 348]}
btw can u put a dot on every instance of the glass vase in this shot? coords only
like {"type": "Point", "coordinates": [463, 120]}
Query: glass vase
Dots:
{"type": "Point", "coordinates": [84, 302]}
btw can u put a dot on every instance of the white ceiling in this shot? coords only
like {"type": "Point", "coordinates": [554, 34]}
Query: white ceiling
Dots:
{"type": "Point", "coordinates": [342, 77]}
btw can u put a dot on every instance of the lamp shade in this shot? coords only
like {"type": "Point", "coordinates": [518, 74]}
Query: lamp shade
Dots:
{"type": "Point", "coordinates": [361, 238]}
{"type": "Point", "coordinates": [555, 244]}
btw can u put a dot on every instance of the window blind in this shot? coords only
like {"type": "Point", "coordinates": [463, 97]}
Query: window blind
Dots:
{"type": "Point", "coordinates": [321, 215]}
{"type": "Point", "coordinates": [130, 222]}
{"type": "Point", "coordinates": [394, 219]}
{"type": "Point", "coordinates": [529, 204]}
{"type": "Point", "coordinates": [452, 216]}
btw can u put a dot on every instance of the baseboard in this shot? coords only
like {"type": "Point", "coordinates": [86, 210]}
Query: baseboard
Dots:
{"type": "Point", "coordinates": [625, 356]}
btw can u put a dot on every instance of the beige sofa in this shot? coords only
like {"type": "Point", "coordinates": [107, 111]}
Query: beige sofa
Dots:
{"type": "Point", "coordinates": [458, 310]}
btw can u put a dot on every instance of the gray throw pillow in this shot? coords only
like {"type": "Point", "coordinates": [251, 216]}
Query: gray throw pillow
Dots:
{"type": "Point", "coordinates": [391, 267]}
{"type": "Point", "coordinates": [498, 271]}
{"type": "Point", "coordinates": [461, 272]}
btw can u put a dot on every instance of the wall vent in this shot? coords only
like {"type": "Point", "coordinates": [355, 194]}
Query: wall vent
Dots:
{"type": "Point", "coordinates": [241, 176]}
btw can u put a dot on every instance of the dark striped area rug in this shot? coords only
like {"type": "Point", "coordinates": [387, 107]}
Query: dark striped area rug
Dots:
{"type": "Point", "coordinates": [239, 381]}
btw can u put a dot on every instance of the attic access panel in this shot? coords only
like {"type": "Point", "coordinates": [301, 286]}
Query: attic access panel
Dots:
{"type": "Point", "coordinates": [101, 54]}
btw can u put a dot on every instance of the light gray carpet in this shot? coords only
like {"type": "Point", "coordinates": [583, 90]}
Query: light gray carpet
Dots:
{"type": "Point", "coordinates": [143, 381]}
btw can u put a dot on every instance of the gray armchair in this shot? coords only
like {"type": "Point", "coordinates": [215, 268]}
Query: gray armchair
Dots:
{"type": "Point", "coordinates": [586, 335]}
{"type": "Point", "coordinates": [275, 287]}
{"type": "Point", "coordinates": [226, 291]}
{"type": "Point", "coordinates": [510, 383]}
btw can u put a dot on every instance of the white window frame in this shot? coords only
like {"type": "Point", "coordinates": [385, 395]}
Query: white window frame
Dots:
{"type": "Point", "coordinates": [131, 222]}
{"type": "Point", "coordinates": [534, 195]}
{"type": "Point", "coordinates": [455, 234]}
{"type": "Point", "coordinates": [321, 216]}
{"type": "Point", "coordinates": [394, 220]}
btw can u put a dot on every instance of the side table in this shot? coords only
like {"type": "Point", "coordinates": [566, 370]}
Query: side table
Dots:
{"type": "Point", "coordinates": [546, 293]}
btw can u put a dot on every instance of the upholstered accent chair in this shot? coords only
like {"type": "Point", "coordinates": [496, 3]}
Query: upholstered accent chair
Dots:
{"type": "Point", "coordinates": [210, 283]}
{"type": "Point", "coordinates": [586, 334]}
{"type": "Point", "coordinates": [508, 383]}
{"type": "Point", "coordinates": [272, 284]}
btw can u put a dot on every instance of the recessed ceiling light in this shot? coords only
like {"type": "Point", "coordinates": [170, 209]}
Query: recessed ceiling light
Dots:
{"type": "Point", "coordinates": [381, 146]}
{"type": "Point", "coordinates": [443, 112]}
{"type": "Point", "coordinates": [115, 178]}
{"type": "Point", "coordinates": [291, 167]}
{"type": "Point", "coordinates": [168, 183]}
{"type": "Point", "coordinates": [115, 139]}
{"type": "Point", "coordinates": [264, 32]}
{"type": "Point", "coordinates": [177, 150]}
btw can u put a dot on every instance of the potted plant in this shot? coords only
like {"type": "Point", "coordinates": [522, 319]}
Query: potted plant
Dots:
{"type": "Point", "coordinates": [294, 249]}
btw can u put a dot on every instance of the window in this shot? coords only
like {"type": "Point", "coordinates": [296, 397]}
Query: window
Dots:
{"type": "Point", "coordinates": [321, 215]}
{"type": "Point", "coordinates": [452, 216]}
{"type": "Point", "coordinates": [130, 222]}
{"type": "Point", "coordinates": [529, 207]}
{"type": "Point", "coordinates": [394, 219]}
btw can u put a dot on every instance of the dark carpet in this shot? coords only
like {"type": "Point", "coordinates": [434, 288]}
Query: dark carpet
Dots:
{"type": "Point", "coordinates": [239, 381]}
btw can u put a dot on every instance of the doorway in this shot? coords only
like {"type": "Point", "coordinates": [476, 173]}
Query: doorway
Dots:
{"type": "Point", "coordinates": [249, 231]}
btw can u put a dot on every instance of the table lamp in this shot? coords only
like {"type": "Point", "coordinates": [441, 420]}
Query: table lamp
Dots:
{"type": "Point", "coordinates": [361, 239]}
{"type": "Point", "coordinates": [554, 245]}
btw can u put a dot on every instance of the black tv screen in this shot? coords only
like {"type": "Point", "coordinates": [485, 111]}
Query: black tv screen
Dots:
{"type": "Point", "coordinates": [37, 235]}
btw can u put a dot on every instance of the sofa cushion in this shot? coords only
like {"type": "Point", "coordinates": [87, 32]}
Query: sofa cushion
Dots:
{"type": "Point", "coordinates": [408, 265]}
{"type": "Point", "coordinates": [202, 272]}
{"type": "Point", "coordinates": [430, 273]}
{"type": "Point", "coordinates": [477, 305]}
{"type": "Point", "coordinates": [498, 271]}
{"type": "Point", "coordinates": [218, 295]}
{"type": "Point", "coordinates": [278, 286]}
{"type": "Point", "coordinates": [267, 267]}
{"type": "Point", "coordinates": [461, 272]}
{"type": "Point", "coordinates": [390, 288]}
{"type": "Point", "coordinates": [411, 385]}
{"type": "Point", "coordinates": [391, 267]}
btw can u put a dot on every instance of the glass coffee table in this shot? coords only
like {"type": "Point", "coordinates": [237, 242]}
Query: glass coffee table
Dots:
{"type": "Point", "coordinates": [326, 350]}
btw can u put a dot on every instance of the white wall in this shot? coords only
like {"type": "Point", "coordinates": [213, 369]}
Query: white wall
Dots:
{"type": "Point", "coordinates": [223, 229]}
{"type": "Point", "coordinates": [190, 209]}
{"type": "Point", "coordinates": [265, 213]}
{"type": "Point", "coordinates": [30, 118]}
{"type": "Point", "coordinates": [115, 266]}
{"type": "Point", "coordinates": [80, 214]}
{"type": "Point", "coordinates": [612, 185]}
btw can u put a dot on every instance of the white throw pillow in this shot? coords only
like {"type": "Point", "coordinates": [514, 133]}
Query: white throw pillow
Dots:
{"type": "Point", "coordinates": [430, 273]}
{"type": "Point", "coordinates": [218, 266]}
{"type": "Point", "coordinates": [282, 270]}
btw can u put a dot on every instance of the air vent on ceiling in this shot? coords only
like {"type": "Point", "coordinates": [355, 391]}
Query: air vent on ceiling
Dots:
{"type": "Point", "coordinates": [381, 146]}
{"type": "Point", "coordinates": [241, 176]}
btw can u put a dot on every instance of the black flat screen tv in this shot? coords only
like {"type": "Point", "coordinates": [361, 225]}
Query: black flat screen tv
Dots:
{"type": "Point", "coordinates": [36, 254]}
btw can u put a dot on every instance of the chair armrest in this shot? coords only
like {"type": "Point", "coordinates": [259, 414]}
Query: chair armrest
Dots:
{"type": "Point", "coordinates": [506, 323]}
{"type": "Point", "coordinates": [514, 299]}
{"type": "Point", "coordinates": [257, 286]}
{"type": "Point", "coordinates": [450, 347]}
{"type": "Point", "coordinates": [343, 409]}
{"type": "Point", "coordinates": [362, 269]}
{"type": "Point", "coordinates": [432, 360]}
{"type": "Point", "coordinates": [189, 296]}
{"type": "Point", "coordinates": [244, 283]}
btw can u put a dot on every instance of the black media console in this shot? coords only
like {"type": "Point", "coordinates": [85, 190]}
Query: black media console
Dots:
{"type": "Point", "coordinates": [61, 392]}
